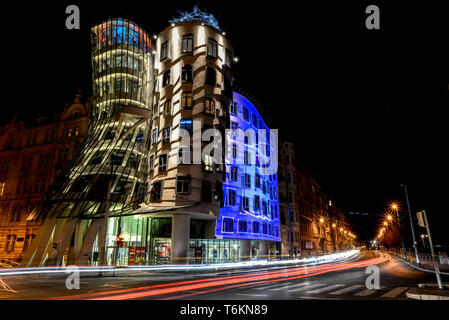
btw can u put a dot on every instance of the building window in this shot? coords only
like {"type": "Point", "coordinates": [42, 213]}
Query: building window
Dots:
{"type": "Point", "coordinates": [264, 208]}
{"type": "Point", "coordinates": [228, 58]}
{"type": "Point", "coordinates": [186, 100]}
{"type": "Point", "coordinates": [119, 84]}
{"type": "Point", "coordinates": [234, 127]}
{"type": "Point", "coordinates": [264, 228]}
{"type": "Point", "coordinates": [257, 178]}
{"type": "Point", "coordinates": [120, 60]}
{"type": "Point", "coordinates": [166, 78]}
{"type": "Point", "coordinates": [69, 134]}
{"type": "Point", "coordinates": [254, 120]}
{"type": "Point", "coordinates": [43, 185]}
{"type": "Point", "coordinates": [245, 203]}
{"type": "Point", "coordinates": [166, 135]}
{"type": "Point", "coordinates": [154, 136]}
{"type": "Point", "coordinates": [152, 162]}
{"type": "Point", "coordinates": [231, 198]}
{"type": "Point", "coordinates": [242, 226]}
{"type": "Point", "coordinates": [187, 43]}
{"type": "Point", "coordinates": [233, 108]}
{"type": "Point", "coordinates": [77, 132]}
{"type": "Point", "coordinates": [247, 158]}
{"type": "Point", "coordinates": [182, 184]}
{"type": "Point", "coordinates": [247, 180]}
{"type": "Point", "coordinates": [209, 106]}
{"type": "Point", "coordinates": [245, 114]}
{"type": "Point", "coordinates": [163, 162]}
{"type": "Point", "coordinates": [212, 48]}
{"type": "Point", "coordinates": [228, 225]}
{"type": "Point", "coordinates": [187, 74]}
{"type": "Point", "coordinates": [156, 191]}
{"type": "Point", "coordinates": [206, 191]}
{"type": "Point", "coordinates": [167, 107]}
{"type": "Point", "coordinates": [256, 203]}
{"type": "Point", "coordinates": [234, 150]}
{"type": "Point", "coordinates": [211, 76]}
{"type": "Point", "coordinates": [187, 125]}
{"type": "Point", "coordinates": [234, 173]}
{"type": "Point", "coordinates": [256, 227]}
{"type": "Point", "coordinates": [164, 51]}
{"type": "Point", "coordinates": [208, 163]}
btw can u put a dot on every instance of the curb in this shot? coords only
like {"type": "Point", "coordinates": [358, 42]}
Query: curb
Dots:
{"type": "Point", "coordinates": [421, 269]}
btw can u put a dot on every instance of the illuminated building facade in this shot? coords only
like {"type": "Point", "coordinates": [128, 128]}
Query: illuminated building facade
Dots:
{"type": "Point", "coordinates": [108, 176]}
{"type": "Point", "coordinates": [32, 154]}
{"type": "Point", "coordinates": [251, 209]}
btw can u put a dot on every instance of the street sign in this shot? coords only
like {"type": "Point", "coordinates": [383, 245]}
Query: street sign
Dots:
{"type": "Point", "coordinates": [419, 215]}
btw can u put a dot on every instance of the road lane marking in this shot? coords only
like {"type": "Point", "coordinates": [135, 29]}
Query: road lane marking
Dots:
{"type": "Point", "coordinates": [290, 286]}
{"type": "Point", "coordinates": [269, 286]}
{"type": "Point", "coordinates": [251, 295]}
{"type": "Point", "coordinates": [346, 290]}
{"type": "Point", "coordinates": [306, 288]}
{"type": "Point", "coordinates": [367, 292]}
{"type": "Point", "coordinates": [326, 288]}
{"type": "Point", "coordinates": [394, 293]}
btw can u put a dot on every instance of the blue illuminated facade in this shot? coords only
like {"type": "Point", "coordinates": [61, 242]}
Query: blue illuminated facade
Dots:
{"type": "Point", "coordinates": [251, 202]}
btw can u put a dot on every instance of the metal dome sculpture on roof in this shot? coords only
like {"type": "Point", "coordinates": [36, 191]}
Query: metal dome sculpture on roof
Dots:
{"type": "Point", "coordinates": [197, 15]}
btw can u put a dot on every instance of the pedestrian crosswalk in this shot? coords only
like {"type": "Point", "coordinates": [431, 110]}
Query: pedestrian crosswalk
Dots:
{"type": "Point", "coordinates": [332, 290]}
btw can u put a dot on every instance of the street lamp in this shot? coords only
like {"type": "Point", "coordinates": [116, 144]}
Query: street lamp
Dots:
{"type": "Point", "coordinates": [395, 207]}
{"type": "Point", "coordinates": [411, 225]}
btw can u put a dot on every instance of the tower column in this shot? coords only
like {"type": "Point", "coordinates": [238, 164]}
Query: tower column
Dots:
{"type": "Point", "coordinates": [263, 249]}
{"type": "Point", "coordinates": [180, 236]}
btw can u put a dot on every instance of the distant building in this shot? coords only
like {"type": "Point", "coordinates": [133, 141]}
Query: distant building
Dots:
{"type": "Point", "coordinates": [31, 157]}
{"type": "Point", "coordinates": [310, 221]}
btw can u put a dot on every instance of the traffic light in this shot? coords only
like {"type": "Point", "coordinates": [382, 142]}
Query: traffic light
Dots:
{"type": "Point", "coordinates": [119, 241]}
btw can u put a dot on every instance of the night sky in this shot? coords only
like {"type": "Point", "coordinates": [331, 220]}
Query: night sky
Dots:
{"type": "Point", "coordinates": [364, 108]}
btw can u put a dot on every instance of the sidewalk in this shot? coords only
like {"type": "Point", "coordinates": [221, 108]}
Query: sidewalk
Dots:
{"type": "Point", "coordinates": [424, 265]}
{"type": "Point", "coordinates": [428, 293]}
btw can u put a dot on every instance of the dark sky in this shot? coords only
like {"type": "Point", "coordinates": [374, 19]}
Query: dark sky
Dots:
{"type": "Point", "coordinates": [364, 108]}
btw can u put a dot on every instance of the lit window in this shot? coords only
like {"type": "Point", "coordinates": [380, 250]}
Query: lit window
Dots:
{"type": "Point", "coordinates": [208, 162]}
{"type": "Point", "coordinates": [209, 106]}
{"type": "Point", "coordinates": [77, 132]}
{"type": "Point", "coordinates": [186, 101]}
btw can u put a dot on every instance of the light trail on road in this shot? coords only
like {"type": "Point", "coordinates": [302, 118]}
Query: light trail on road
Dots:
{"type": "Point", "coordinates": [221, 283]}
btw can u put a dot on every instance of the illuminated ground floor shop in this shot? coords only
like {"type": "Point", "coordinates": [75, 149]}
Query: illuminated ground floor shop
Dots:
{"type": "Point", "coordinates": [145, 240]}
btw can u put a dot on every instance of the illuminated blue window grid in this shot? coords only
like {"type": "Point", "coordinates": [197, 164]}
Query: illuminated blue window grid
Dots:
{"type": "Point", "coordinates": [269, 221]}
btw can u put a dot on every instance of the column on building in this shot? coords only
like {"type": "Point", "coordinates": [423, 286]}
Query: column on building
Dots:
{"type": "Point", "coordinates": [180, 236]}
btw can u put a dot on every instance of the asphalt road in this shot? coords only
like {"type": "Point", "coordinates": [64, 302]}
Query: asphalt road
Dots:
{"type": "Point", "coordinates": [345, 280]}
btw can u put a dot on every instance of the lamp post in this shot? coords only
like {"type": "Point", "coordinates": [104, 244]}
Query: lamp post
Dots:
{"type": "Point", "coordinates": [411, 224]}
{"type": "Point", "coordinates": [395, 208]}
